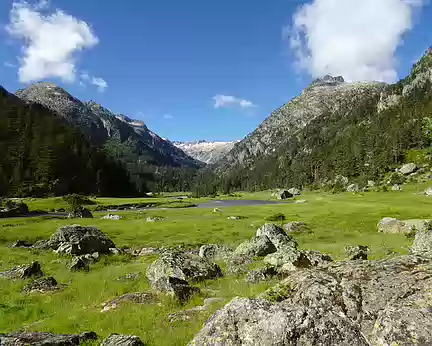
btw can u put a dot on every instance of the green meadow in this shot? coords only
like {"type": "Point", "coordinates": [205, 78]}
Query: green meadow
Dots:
{"type": "Point", "coordinates": [334, 221]}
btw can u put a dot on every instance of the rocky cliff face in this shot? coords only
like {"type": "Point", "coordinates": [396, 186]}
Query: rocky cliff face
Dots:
{"type": "Point", "coordinates": [324, 96]}
{"type": "Point", "coordinates": [207, 152]}
{"type": "Point", "coordinates": [129, 139]}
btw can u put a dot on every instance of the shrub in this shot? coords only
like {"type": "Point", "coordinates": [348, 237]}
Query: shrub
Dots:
{"type": "Point", "coordinates": [276, 217]}
{"type": "Point", "coordinates": [76, 202]}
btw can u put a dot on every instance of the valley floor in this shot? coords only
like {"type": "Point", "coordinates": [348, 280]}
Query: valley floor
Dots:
{"type": "Point", "coordinates": [334, 220]}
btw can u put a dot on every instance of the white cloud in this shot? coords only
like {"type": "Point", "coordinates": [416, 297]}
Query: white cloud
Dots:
{"type": "Point", "coordinates": [357, 39]}
{"type": "Point", "coordinates": [168, 116]}
{"type": "Point", "coordinates": [8, 64]}
{"type": "Point", "coordinates": [49, 42]}
{"type": "Point", "coordinates": [230, 101]}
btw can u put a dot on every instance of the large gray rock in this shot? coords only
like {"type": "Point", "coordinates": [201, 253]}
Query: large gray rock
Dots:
{"type": "Point", "coordinates": [408, 168]}
{"type": "Point", "coordinates": [353, 188]}
{"type": "Point", "coordinates": [294, 191]}
{"type": "Point", "coordinates": [250, 322]}
{"type": "Point", "coordinates": [214, 252]}
{"type": "Point", "coordinates": [175, 287]}
{"type": "Point", "coordinates": [317, 258]}
{"type": "Point", "coordinates": [23, 271]}
{"type": "Point", "coordinates": [79, 240]}
{"type": "Point", "coordinates": [122, 340]}
{"type": "Point", "coordinates": [83, 213]}
{"type": "Point", "coordinates": [184, 266]}
{"type": "Point", "coordinates": [79, 263]}
{"type": "Point", "coordinates": [392, 225]}
{"type": "Point", "coordinates": [356, 252]}
{"type": "Point", "coordinates": [284, 194]}
{"type": "Point", "coordinates": [423, 241]}
{"type": "Point", "coordinates": [42, 285]}
{"type": "Point", "coordinates": [384, 302]}
{"type": "Point", "coordinates": [45, 339]}
{"type": "Point", "coordinates": [296, 227]}
{"type": "Point", "coordinates": [288, 259]}
{"type": "Point", "coordinates": [255, 247]}
{"type": "Point", "coordinates": [261, 274]}
{"type": "Point", "coordinates": [276, 235]}
{"type": "Point", "coordinates": [428, 191]}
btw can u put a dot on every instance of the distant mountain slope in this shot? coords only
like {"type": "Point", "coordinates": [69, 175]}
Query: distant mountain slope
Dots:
{"type": "Point", "coordinates": [41, 153]}
{"type": "Point", "coordinates": [356, 129]}
{"type": "Point", "coordinates": [207, 152]}
{"type": "Point", "coordinates": [126, 139]}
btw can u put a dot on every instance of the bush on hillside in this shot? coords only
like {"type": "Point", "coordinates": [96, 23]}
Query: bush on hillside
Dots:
{"type": "Point", "coordinates": [276, 217]}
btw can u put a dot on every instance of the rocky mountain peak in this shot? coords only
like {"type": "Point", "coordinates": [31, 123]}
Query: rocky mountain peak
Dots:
{"type": "Point", "coordinates": [327, 80]}
{"type": "Point", "coordinates": [205, 151]}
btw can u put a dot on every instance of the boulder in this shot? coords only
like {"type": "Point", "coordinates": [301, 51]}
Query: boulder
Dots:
{"type": "Point", "coordinates": [234, 218]}
{"type": "Point", "coordinates": [155, 219]}
{"type": "Point", "coordinates": [317, 258]}
{"type": "Point", "coordinates": [296, 227]}
{"type": "Point", "coordinates": [284, 194]}
{"type": "Point", "coordinates": [175, 287]}
{"type": "Point", "coordinates": [122, 340]}
{"type": "Point", "coordinates": [214, 252]}
{"type": "Point", "coordinates": [79, 240]}
{"type": "Point", "coordinates": [45, 284]}
{"type": "Point", "coordinates": [341, 180]}
{"type": "Point", "coordinates": [46, 339]}
{"type": "Point", "coordinates": [422, 244]}
{"type": "Point", "coordinates": [261, 274]}
{"type": "Point", "coordinates": [294, 191]}
{"type": "Point", "coordinates": [353, 188]}
{"type": "Point", "coordinates": [146, 251]}
{"type": "Point", "coordinates": [408, 168]}
{"type": "Point", "coordinates": [384, 302]}
{"type": "Point", "coordinates": [238, 264]}
{"type": "Point", "coordinates": [397, 187]}
{"type": "Point", "coordinates": [250, 322]}
{"type": "Point", "coordinates": [183, 265]}
{"type": "Point", "coordinates": [287, 259]}
{"type": "Point", "coordinates": [276, 235]}
{"type": "Point", "coordinates": [256, 247]}
{"type": "Point", "coordinates": [301, 201]}
{"type": "Point", "coordinates": [23, 271]}
{"type": "Point", "coordinates": [428, 191]}
{"type": "Point", "coordinates": [136, 298]}
{"type": "Point", "coordinates": [79, 263]}
{"type": "Point", "coordinates": [217, 210]}
{"type": "Point", "coordinates": [21, 244]}
{"type": "Point", "coordinates": [392, 225]}
{"type": "Point", "coordinates": [356, 252]}
{"type": "Point", "coordinates": [83, 213]}
{"type": "Point", "coordinates": [112, 217]}
{"type": "Point", "coordinates": [42, 245]}
{"type": "Point", "coordinates": [371, 183]}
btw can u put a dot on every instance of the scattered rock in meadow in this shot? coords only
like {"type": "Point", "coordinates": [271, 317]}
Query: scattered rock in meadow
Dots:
{"type": "Point", "coordinates": [428, 191]}
{"type": "Point", "coordinates": [353, 188]}
{"type": "Point", "coordinates": [217, 210]}
{"type": "Point", "coordinates": [356, 252]}
{"type": "Point", "coordinates": [294, 191]}
{"type": "Point", "coordinates": [42, 285]}
{"type": "Point", "coordinates": [23, 271]}
{"type": "Point", "coordinates": [21, 244]}
{"type": "Point", "coordinates": [284, 194]}
{"type": "Point", "coordinates": [238, 264]}
{"type": "Point", "coordinates": [45, 339]}
{"type": "Point", "coordinates": [276, 235]}
{"type": "Point", "coordinates": [135, 298]}
{"type": "Point", "coordinates": [392, 225]}
{"type": "Point", "coordinates": [296, 227]}
{"type": "Point", "coordinates": [234, 218]}
{"type": "Point", "coordinates": [147, 251]}
{"type": "Point", "coordinates": [79, 240]}
{"type": "Point", "coordinates": [115, 251]}
{"type": "Point", "coordinates": [42, 245]}
{"type": "Point", "coordinates": [288, 259]}
{"type": "Point", "coordinates": [112, 217]}
{"type": "Point", "coordinates": [175, 287]}
{"type": "Point", "coordinates": [301, 201]}
{"type": "Point", "coordinates": [255, 247]}
{"type": "Point", "coordinates": [79, 263]}
{"type": "Point", "coordinates": [397, 187]}
{"type": "Point", "coordinates": [122, 340]}
{"type": "Point", "coordinates": [422, 244]}
{"type": "Point", "coordinates": [371, 183]}
{"type": "Point", "coordinates": [408, 168]}
{"type": "Point", "coordinates": [261, 274]}
{"type": "Point", "coordinates": [155, 219]}
{"type": "Point", "coordinates": [317, 258]}
{"type": "Point", "coordinates": [214, 252]}
{"type": "Point", "coordinates": [83, 213]}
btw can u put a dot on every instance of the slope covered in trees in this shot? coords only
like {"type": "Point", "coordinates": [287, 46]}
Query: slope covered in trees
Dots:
{"type": "Point", "coordinates": [40, 153]}
{"type": "Point", "coordinates": [360, 139]}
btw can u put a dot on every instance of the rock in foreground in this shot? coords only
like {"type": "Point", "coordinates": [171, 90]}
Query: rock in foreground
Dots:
{"type": "Point", "coordinates": [45, 339]}
{"type": "Point", "coordinates": [23, 271]}
{"type": "Point", "coordinates": [122, 340]}
{"type": "Point", "coordinates": [383, 302]}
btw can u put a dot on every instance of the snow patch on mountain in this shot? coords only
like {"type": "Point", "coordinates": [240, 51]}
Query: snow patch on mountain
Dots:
{"type": "Point", "coordinates": [204, 151]}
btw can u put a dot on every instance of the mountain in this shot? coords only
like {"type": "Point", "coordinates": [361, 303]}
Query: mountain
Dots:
{"type": "Point", "coordinates": [140, 149]}
{"type": "Point", "coordinates": [204, 151]}
{"type": "Point", "coordinates": [41, 154]}
{"type": "Point", "coordinates": [356, 129]}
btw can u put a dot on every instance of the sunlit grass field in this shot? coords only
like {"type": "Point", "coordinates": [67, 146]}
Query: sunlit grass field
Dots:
{"type": "Point", "coordinates": [334, 221]}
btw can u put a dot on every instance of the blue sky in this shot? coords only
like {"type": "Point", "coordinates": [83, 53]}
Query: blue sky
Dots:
{"type": "Point", "coordinates": [165, 61]}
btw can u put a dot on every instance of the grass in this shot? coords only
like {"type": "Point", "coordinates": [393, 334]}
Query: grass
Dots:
{"type": "Point", "coordinates": [335, 221]}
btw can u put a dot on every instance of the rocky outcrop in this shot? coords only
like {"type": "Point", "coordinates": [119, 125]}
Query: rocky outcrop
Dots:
{"type": "Point", "coordinates": [356, 252]}
{"type": "Point", "coordinates": [82, 213]}
{"type": "Point", "coordinates": [42, 285]}
{"type": "Point", "coordinates": [392, 225]}
{"type": "Point", "coordinates": [207, 152]}
{"type": "Point", "coordinates": [384, 302]}
{"type": "Point", "coordinates": [296, 227]}
{"type": "Point", "coordinates": [284, 194]}
{"type": "Point", "coordinates": [112, 217]}
{"type": "Point", "coordinates": [122, 340]}
{"type": "Point", "coordinates": [23, 271]}
{"type": "Point", "coordinates": [46, 339]}
{"type": "Point", "coordinates": [256, 247]}
{"type": "Point", "coordinates": [423, 241]}
{"type": "Point", "coordinates": [214, 252]}
{"type": "Point", "coordinates": [408, 168]}
{"type": "Point", "coordinates": [79, 240]}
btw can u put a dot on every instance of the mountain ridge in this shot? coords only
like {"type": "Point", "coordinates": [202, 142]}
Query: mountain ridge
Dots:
{"type": "Point", "coordinates": [208, 152]}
